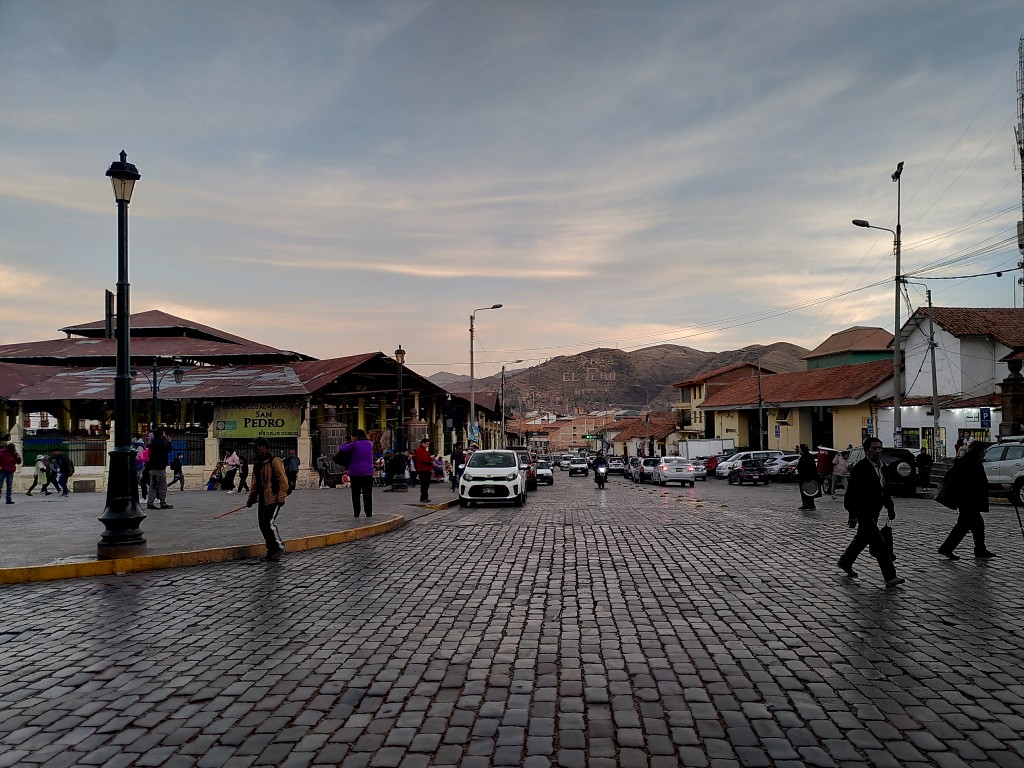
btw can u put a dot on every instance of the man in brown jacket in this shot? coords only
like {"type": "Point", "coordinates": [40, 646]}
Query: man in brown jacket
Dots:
{"type": "Point", "coordinates": [269, 488]}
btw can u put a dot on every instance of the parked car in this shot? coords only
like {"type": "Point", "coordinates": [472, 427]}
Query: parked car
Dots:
{"type": "Point", "coordinates": [899, 466]}
{"type": "Point", "coordinates": [711, 463]}
{"type": "Point", "coordinates": [750, 471]}
{"type": "Point", "coordinates": [1004, 467]}
{"type": "Point", "coordinates": [673, 469]}
{"type": "Point", "coordinates": [645, 470]}
{"type": "Point", "coordinates": [493, 476]}
{"type": "Point", "coordinates": [774, 465]}
{"type": "Point", "coordinates": [787, 472]}
{"type": "Point", "coordinates": [699, 470]}
{"type": "Point", "coordinates": [723, 468]}
{"type": "Point", "coordinates": [544, 472]}
{"type": "Point", "coordinates": [578, 466]}
{"type": "Point", "coordinates": [616, 466]}
{"type": "Point", "coordinates": [525, 457]}
{"type": "Point", "coordinates": [632, 468]}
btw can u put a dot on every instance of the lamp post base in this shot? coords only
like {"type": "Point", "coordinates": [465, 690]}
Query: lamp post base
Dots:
{"type": "Point", "coordinates": [122, 515]}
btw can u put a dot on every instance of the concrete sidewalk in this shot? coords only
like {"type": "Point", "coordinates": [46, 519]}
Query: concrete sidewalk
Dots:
{"type": "Point", "coordinates": [51, 537]}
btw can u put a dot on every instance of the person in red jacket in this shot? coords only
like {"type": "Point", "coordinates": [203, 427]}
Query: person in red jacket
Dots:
{"type": "Point", "coordinates": [9, 461]}
{"type": "Point", "coordinates": [424, 468]}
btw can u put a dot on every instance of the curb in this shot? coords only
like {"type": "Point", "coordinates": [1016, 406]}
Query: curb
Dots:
{"type": "Point", "coordinates": [125, 565]}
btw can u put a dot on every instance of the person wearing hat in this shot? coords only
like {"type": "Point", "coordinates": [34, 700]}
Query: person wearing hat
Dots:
{"type": "Point", "coordinates": [42, 461]}
{"type": "Point", "coordinates": [424, 468]}
{"type": "Point", "coordinates": [269, 490]}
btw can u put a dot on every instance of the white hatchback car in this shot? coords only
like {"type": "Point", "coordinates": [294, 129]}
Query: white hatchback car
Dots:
{"type": "Point", "coordinates": [578, 466]}
{"type": "Point", "coordinates": [491, 476]}
{"type": "Point", "coordinates": [674, 469]}
{"type": "Point", "coordinates": [544, 472]}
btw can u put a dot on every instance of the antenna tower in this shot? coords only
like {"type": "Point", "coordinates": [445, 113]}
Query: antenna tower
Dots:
{"type": "Point", "coordinates": [1018, 131]}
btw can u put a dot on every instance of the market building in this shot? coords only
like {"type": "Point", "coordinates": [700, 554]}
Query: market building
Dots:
{"type": "Point", "coordinates": [213, 392]}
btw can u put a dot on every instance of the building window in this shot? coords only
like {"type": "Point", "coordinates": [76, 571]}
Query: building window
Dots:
{"type": "Point", "coordinates": [911, 438]}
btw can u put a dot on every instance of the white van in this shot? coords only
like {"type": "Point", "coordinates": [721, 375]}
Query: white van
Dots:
{"type": "Point", "coordinates": [737, 459]}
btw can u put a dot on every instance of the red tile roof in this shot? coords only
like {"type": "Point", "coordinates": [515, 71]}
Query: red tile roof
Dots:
{"type": "Point", "coordinates": [660, 427]}
{"type": "Point", "coordinates": [857, 339]}
{"type": "Point", "coordinates": [843, 382]}
{"type": "Point", "coordinates": [702, 377]}
{"type": "Point", "coordinates": [1004, 324]}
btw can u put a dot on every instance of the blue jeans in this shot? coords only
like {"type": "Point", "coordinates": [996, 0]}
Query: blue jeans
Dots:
{"type": "Point", "coordinates": [7, 477]}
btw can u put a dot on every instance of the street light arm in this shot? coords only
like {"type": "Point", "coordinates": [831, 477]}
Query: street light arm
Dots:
{"type": "Point", "coordinates": [866, 225]}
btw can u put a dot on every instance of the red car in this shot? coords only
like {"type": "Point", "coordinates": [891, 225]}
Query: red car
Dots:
{"type": "Point", "coordinates": [710, 464]}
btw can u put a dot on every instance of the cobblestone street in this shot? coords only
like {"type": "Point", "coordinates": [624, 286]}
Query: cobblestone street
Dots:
{"type": "Point", "coordinates": [635, 626]}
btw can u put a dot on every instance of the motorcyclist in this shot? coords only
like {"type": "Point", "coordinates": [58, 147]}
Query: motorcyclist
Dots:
{"type": "Point", "coordinates": [600, 461]}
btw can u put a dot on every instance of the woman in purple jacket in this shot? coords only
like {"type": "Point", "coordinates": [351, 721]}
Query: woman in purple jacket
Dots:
{"type": "Point", "coordinates": [357, 457]}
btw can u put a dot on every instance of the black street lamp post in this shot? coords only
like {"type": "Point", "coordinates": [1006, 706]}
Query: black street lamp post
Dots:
{"type": "Point", "coordinates": [400, 431]}
{"type": "Point", "coordinates": [122, 516]}
{"type": "Point", "coordinates": [154, 381]}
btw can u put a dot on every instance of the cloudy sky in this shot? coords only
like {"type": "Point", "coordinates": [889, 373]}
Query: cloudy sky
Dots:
{"type": "Point", "coordinates": [341, 177]}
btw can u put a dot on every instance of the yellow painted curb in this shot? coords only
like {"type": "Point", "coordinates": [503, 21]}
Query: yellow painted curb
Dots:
{"type": "Point", "coordinates": [141, 563]}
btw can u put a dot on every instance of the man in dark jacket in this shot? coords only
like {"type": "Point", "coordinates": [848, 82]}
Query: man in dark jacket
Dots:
{"type": "Point", "coordinates": [291, 470]}
{"type": "Point", "coordinates": [865, 497]}
{"type": "Point", "coordinates": [969, 483]}
{"type": "Point", "coordinates": [458, 460]}
{"type": "Point", "coordinates": [924, 468]}
{"type": "Point", "coordinates": [64, 468]}
{"type": "Point", "coordinates": [807, 472]}
{"type": "Point", "coordinates": [159, 452]}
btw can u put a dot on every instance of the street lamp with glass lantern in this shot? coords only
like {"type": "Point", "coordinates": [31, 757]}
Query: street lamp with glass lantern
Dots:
{"type": "Point", "coordinates": [400, 430]}
{"type": "Point", "coordinates": [122, 516]}
{"type": "Point", "coordinates": [472, 377]}
{"type": "Point", "coordinates": [154, 381]}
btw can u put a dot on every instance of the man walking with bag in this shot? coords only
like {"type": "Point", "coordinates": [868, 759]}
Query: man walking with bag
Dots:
{"type": "Point", "coordinates": [864, 500]}
{"type": "Point", "coordinates": [969, 484]}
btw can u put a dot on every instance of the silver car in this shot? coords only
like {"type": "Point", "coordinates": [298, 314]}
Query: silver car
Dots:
{"type": "Point", "coordinates": [674, 469]}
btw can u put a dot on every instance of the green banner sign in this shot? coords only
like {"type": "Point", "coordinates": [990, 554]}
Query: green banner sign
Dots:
{"type": "Point", "coordinates": [257, 420]}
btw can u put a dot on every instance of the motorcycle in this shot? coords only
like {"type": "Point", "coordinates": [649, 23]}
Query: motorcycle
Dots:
{"type": "Point", "coordinates": [601, 475]}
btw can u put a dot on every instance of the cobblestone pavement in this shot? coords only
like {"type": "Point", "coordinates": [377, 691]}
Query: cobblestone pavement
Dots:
{"type": "Point", "coordinates": [630, 627]}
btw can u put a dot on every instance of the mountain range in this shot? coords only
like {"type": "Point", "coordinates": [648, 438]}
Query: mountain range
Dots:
{"type": "Point", "coordinates": [606, 379]}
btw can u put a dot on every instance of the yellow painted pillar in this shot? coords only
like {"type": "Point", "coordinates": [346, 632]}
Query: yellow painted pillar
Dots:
{"type": "Point", "coordinates": [361, 414]}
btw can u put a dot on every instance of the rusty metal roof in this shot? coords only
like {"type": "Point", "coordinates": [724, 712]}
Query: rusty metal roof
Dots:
{"type": "Point", "coordinates": [144, 349]}
{"type": "Point", "coordinates": [17, 376]}
{"type": "Point", "coordinates": [157, 323]}
{"type": "Point", "coordinates": [367, 372]}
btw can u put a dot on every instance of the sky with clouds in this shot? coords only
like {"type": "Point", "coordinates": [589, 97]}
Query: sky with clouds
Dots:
{"type": "Point", "coordinates": [344, 177]}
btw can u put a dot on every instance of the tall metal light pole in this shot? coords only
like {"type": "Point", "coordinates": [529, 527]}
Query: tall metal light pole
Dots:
{"type": "Point", "coordinates": [472, 376]}
{"type": "Point", "coordinates": [503, 402]}
{"type": "Point", "coordinates": [400, 429]}
{"type": "Point", "coordinates": [897, 415]}
{"type": "Point", "coordinates": [122, 516]}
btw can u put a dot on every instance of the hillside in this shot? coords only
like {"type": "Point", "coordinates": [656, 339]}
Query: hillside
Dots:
{"type": "Point", "coordinates": [602, 379]}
